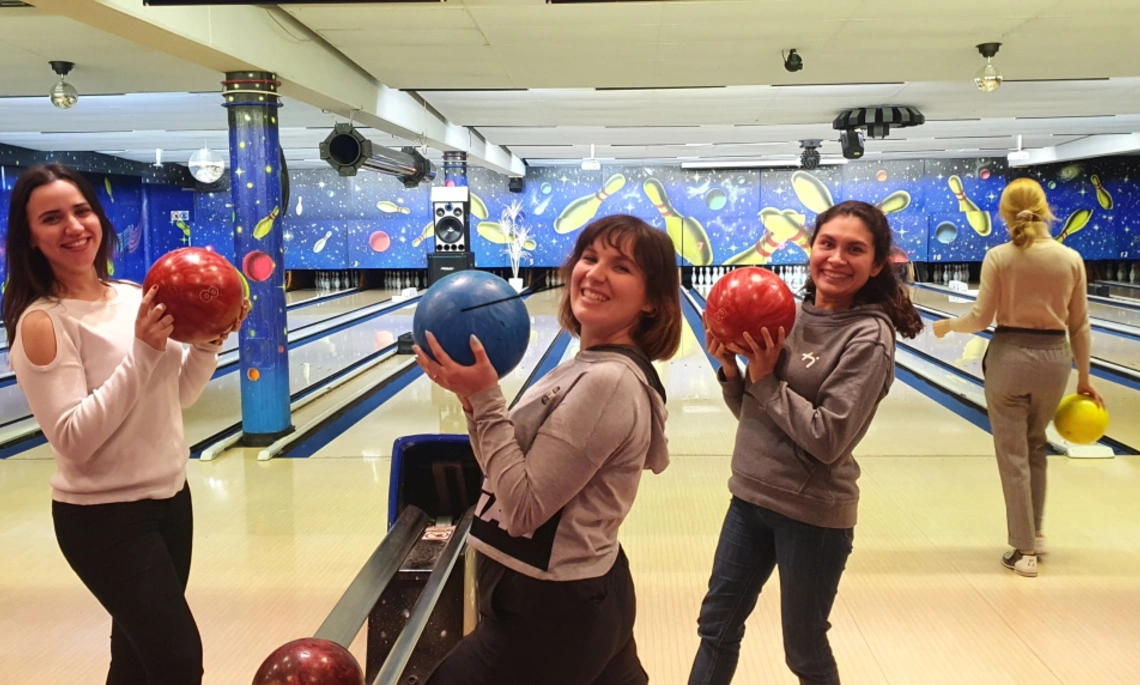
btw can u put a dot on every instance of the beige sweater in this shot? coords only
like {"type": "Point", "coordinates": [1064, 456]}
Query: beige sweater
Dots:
{"type": "Point", "coordinates": [109, 404]}
{"type": "Point", "coordinates": [1042, 286]}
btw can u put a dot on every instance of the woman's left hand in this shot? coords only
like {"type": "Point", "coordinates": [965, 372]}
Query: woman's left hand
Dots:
{"type": "Point", "coordinates": [761, 361]}
{"type": "Point", "coordinates": [941, 328]}
{"type": "Point", "coordinates": [464, 381]}
{"type": "Point", "coordinates": [237, 324]}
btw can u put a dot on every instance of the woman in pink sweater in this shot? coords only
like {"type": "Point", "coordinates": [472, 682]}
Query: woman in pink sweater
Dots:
{"type": "Point", "coordinates": [107, 387]}
{"type": "Point", "coordinates": [1035, 286]}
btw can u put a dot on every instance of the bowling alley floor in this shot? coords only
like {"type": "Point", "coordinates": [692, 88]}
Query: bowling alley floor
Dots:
{"type": "Point", "coordinates": [924, 598]}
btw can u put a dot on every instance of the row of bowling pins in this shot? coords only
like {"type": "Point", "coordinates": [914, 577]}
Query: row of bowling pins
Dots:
{"type": "Point", "coordinates": [554, 278]}
{"type": "Point", "coordinates": [944, 273]}
{"type": "Point", "coordinates": [795, 275]}
{"type": "Point", "coordinates": [398, 280]}
{"type": "Point", "coordinates": [1121, 272]}
{"type": "Point", "coordinates": [335, 281]}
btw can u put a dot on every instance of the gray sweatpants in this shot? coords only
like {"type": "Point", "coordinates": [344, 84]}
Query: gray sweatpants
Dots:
{"type": "Point", "coordinates": [1025, 378]}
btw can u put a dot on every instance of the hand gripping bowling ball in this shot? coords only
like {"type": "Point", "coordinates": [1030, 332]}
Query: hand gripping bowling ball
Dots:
{"type": "Point", "coordinates": [310, 661]}
{"type": "Point", "coordinates": [748, 300]}
{"type": "Point", "coordinates": [474, 302]}
{"type": "Point", "coordinates": [201, 290]}
{"type": "Point", "coordinates": [1080, 420]}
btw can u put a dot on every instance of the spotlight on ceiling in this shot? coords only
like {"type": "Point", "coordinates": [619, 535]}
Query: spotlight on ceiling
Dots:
{"type": "Point", "coordinates": [63, 94]}
{"type": "Point", "coordinates": [792, 61]}
{"type": "Point", "coordinates": [809, 158]}
{"type": "Point", "coordinates": [988, 79]}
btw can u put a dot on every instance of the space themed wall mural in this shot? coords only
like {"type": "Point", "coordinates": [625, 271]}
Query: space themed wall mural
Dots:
{"type": "Point", "coordinates": [941, 210]}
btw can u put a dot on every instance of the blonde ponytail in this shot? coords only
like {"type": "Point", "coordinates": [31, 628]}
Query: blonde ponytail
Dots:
{"type": "Point", "coordinates": [1025, 210]}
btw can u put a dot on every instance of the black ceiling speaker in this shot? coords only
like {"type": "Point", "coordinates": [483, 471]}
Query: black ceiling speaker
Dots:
{"type": "Point", "coordinates": [878, 121]}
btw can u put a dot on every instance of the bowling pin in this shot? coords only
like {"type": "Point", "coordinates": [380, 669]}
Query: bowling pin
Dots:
{"type": "Point", "coordinates": [980, 221]}
{"type": "Point", "coordinates": [1076, 221]}
{"type": "Point", "coordinates": [1134, 275]}
{"type": "Point", "coordinates": [391, 207]}
{"type": "Point", "coordinates": [1102, 195]}
{"type": "Point", "coordinates": [689, 237]}
{"type": "Point", "coordinates": [895, 202]}
{"type": "Point", "coordinates": [300, 206]}
{"type": "Point", "coordinates": [1120, 274]}
{"type": "Point", "coordinates": [428, 232]}
{"type": "Point", "coordinates": [811, 192]}
{"type": "Point", "coordinates": [320, 244]}
{"type": "Point", "coordinates": [579, 212]}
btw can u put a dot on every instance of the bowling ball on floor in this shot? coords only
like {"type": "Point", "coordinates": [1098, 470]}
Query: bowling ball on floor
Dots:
{"type": "Point", "coordinates": [201, 290]}
{"type": "Point", "coordinates": [310, 661]}
{"type": "Point", "coordinates": [474, 302]}
{"type": "Point", "coordinates": [747, 300]}
{"type": "Point", "coordinates": [1080, 420]}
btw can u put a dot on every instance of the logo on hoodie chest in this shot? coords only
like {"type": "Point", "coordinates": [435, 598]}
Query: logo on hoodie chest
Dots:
{"type": "Point", "coordinates": [809, 359]}
{"type": "Point", "coordinates": [551, 394]}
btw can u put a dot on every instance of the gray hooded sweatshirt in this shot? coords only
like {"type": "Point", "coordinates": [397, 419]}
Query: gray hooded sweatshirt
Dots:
{"type": "Point", "coordinates": [562, 468]}
{"type": "Point", "coordinates": [799, 425]}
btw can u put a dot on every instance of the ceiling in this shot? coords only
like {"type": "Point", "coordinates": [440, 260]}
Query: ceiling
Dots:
{"type": "Point", "coordinates": [675, 81]}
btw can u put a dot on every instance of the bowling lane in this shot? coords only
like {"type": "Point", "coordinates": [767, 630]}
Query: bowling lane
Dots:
{"type": "Point", "coordinates": [1123, 313]}
{"type": "Point", "coordinates": [300, 317]}
{"type": "Point", "coordinates": [1120, 289]}
{"type": "Point", "coordinates": [424, 407]}
{"type": "Point", "coordinates": [310, 362]}
{"type": "Point", "coordinates": [966, 351]}
{"type": "Point", "coordinates": [1106, 346]}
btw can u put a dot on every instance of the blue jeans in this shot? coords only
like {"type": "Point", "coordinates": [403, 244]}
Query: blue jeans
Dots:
{"type": "Point", "coordinates": [752, 543]}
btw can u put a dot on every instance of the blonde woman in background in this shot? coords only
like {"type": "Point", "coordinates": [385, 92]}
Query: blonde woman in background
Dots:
{"type": "Point", "coordinates": [1036, 287]}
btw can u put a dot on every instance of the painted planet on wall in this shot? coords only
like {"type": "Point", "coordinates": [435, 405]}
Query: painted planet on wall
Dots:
{"type": "Point", "coordinates": [946, 232]}
{"type": "Point", "coordinates": [258, 266]}
{"type": "Point", "coordinates": [716, 199]}
{"type": "Point", "coordinates": [546, 188]}
{"type": "Point", "coordinates": [881, 175]}
{"type": "Point", "coordinates": [984, 174]}
{"type": "Point", "coordinates": [379, 241]}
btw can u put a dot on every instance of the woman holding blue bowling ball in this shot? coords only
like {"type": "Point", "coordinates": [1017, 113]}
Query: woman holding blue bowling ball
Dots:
{"type": "Point", "coordinates": [556, 598]}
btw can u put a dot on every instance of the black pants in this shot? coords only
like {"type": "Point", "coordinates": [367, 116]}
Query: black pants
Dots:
{"type": "Point", "coordinates": [135, 559]}
{"type": "Point", "coordinates": [555, 633]}
{"type": "Point", "coordinates": [753, 541]}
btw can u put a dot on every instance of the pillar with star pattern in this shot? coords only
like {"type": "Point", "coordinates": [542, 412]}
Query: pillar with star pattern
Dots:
{"type": "Point", "coordinates": [256, 188]}
{"type": "Point", "coordinates": [455, 169]}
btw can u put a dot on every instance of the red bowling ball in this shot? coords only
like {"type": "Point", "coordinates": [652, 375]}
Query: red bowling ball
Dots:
{"type": "Point", "coordinates": [310, 661]}
{"type": "Point", "coordinates": [201, 290]}
{"type": "Point", "coordinates": [748, 300]}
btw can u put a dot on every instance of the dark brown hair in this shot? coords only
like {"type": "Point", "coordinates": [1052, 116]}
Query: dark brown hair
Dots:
{"type": "Point", "coordinates": [29, 275]}
{"type": "Point", "coordinates": [659, 333]}
{"type": "Point", "coordinates": [884, 288]}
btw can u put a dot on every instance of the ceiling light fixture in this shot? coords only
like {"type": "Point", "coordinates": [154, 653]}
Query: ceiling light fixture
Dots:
{"type": "Point", "coordinates": [63, 94]}
{"type": "Point", "coordinates": [988, 78]}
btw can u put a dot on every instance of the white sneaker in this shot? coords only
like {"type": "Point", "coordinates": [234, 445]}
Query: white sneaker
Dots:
{"type": "Point", "coordinates": [1021, 564]}
{"type": "Point", "coordinates": [1039, 545]}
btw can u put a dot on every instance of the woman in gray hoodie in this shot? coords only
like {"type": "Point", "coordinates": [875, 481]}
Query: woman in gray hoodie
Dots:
{"type": "Point", "coordinates": [562, 468]}
{"type": "Point", "coordinates": [804, 403]}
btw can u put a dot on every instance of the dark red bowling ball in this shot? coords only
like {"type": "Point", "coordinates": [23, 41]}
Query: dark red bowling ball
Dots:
{"type": "Point", "coordinates": [747, 300]}
{"type": "Point", "coordinates": [200, 289]}
{"type": "Point", "coordinates": [310, 661]}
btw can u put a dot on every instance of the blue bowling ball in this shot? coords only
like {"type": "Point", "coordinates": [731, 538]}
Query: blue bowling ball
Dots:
{"type": "Point", "coordinates": [502, 327]}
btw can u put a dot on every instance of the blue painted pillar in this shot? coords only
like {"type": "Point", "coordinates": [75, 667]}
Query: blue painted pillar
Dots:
{"type": "Point", "coordinates": [455, 169]}
{"type": "Point", "coordinates": [255, 180]}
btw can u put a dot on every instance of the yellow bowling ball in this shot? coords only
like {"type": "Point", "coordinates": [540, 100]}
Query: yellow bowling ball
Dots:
{"type": "Point", "coordinates": [1079, 420]}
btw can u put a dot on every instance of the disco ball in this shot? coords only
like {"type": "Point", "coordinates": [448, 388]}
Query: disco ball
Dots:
{"type": "Point", "coordinates": [206, 167]}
